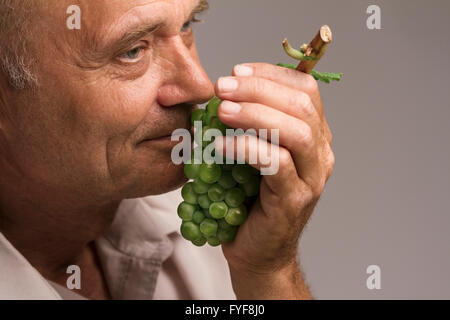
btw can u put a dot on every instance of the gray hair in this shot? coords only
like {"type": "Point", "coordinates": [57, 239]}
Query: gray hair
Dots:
{"type": "Point", "coordinates": [14, 62]}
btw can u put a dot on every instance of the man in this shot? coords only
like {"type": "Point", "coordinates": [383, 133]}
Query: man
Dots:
{"type": "Point", "coordinates": [85, 122]}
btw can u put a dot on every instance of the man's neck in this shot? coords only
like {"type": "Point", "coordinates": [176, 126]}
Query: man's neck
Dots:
{"type": "Point", "coordinates": [54, 228]}
{"type": "Point", "coordinates": [51, 241]}
{"type": "Point", "coordinates": [51, 228]}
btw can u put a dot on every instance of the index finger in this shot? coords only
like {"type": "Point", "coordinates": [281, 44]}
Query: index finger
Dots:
{"type": "Point", "coordinates": [288, 77]}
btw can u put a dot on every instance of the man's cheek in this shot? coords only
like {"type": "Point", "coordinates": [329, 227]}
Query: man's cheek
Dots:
{"type": "Point", "coordinates": [122, 112]}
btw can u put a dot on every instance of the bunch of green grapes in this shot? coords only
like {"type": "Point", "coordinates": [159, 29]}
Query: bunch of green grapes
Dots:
{"type": "Point", "coordinates": [218, 197]}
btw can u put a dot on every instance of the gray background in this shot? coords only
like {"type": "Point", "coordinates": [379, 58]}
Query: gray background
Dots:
{"type": "Point", "coordinates": [387, 202]}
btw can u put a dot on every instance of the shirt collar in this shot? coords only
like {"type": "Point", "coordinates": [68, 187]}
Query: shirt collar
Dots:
{"type": "Point", "coordinates": [19, 279]}
{"type": "Point", "coordinates": [148, 219]}
{"type": "Point", "coordinates": [134, 248]}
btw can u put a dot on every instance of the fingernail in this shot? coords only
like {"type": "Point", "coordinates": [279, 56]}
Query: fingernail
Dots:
{"type": "Point", "coordinates": [230, 107]}
{"type": "Point", "coordinates": [243, 71]}
{"type": "Point", "coordinates": [227, 84]}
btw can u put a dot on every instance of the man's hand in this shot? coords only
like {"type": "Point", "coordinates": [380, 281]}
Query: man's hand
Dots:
{"type": "Point", "coordinates": [262, 259]}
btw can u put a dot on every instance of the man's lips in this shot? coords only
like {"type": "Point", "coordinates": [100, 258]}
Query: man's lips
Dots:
{"type": "Point", "coordinates": [166, 136]}
{"type": "Point", "coordinates": [173, 122]}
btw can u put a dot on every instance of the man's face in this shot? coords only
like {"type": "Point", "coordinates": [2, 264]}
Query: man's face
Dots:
{"type": "Point", "coordinates": [109, 97]}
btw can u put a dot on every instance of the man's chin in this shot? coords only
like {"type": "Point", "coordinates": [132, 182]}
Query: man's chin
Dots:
{"type": "Point", "coordinates": [172, 184]}
{"type": "Point", "coordinates": [160, 181]}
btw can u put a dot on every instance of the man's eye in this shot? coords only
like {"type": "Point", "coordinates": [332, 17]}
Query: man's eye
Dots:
{"type": "Point", "coordinates": [133, 54]}
{"type": "Point", "coordinates": [186, 26]}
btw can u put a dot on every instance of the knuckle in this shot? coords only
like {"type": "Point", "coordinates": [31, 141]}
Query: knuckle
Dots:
{"type": "Point", "coordinates": [304, 198]}
{"type": "Point", "coordinates": [259, 68]}
{"type": "Point", "coordinates": [288, 72]}
{"type": "Point", "coordinates": [330, 137]}
{"type": "Point", "coordinates": [298, 199]}
{"type": "Point", "coordinates": [305, 137]}
{"type": "Point", "coordinates": [328, 133]}
{"type": "Point", "coordinates": [267, 67]}
{"type": "Point", "coordinates": [319, 187]}
{"type": "Point", "coordinates": [284, 157]}
{"type": "Point", "coordinates": [311, 84]}
{"type": "Point", "coordinates": [258, 86]}
{"type": "Point", "coordinates": [330, 163]}
{"type": "Point", "coordinates": [303, 103]}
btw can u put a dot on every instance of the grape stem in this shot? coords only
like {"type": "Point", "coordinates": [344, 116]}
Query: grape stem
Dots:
{"type": "Point", "coordinates": [296, 54]}
{"type": "Point", "coordinates": [310, 54]}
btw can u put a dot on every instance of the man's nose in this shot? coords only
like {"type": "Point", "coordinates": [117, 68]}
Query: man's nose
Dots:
{"type": "Point", "coordinates": [184, 80]}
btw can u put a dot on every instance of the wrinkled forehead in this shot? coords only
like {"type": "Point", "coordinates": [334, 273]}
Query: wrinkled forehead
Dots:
{"type": "Point", "coordinates": [104, 17]}
{"type": "Point", "coordinates": [103, 20]}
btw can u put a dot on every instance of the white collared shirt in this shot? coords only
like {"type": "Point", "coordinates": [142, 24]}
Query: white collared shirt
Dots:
{"type": "Point", "coordinates": [143, 256]}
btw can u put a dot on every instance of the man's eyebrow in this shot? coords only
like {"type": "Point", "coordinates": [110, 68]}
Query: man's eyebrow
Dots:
{"type": "Point", "coordinates": [132, 36]}
{"type": "Point", "coordinates": [201, 6]}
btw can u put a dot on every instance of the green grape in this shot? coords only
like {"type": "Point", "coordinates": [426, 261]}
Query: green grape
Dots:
{"type": "Point", "coordinates": [197, 115]}
{"type": "Point", "coordinates": [203, 201]}
{"type": "Point", "coordinates": [254, 171]}
{"type": "Point", "coordinates": [251, 187]}
{"type": "Point", "coordinates": [226, 180]}
{"type": "Point", "coordinates": [209, 227]}
{"type": "Point", "coordinates": [200, 187]}
{"type": "Point", "coordinates": [197, 156]}
{"type": "Point", "coordinates": [241, 173]}
{"type": "Point", "coordinates": [236, 216]}
{"type": "Point", "coordinates": [211, 110]}
{"type": "Point", "coordinates": [205, 142]}
{"type": "Point", "coordinates": [207, 117]}
{"type": "Point", "coordinates": [223, 225]}
{"type": "Point", "coordinates": [198, 137]}
{"type": "Point", "coordinates": [213, 241]}
{"type": "Point", "coordinates": [186, 211]}
{"type": "Point", "coordinates": [198, 217]}
{"type": "Point", "coordinates": [191, 170]}
{"type": "Point", "coordinates": [199, 242]}
{"type": "Point", "coordinates": [218, 210]}
{"type": "Point", "coordinates": [219, 125]}
{"type": "Point", "coordinates": [207, 214]}
{"type": "Point", "coordinates": [227, 166]}
{"type": "Point", "coordinates": [213, 106]}
{"type": "Point", "coordinates": [188, 193]}
{"type": "Point", "coordinates": [234, 197]}
{"type": "Point", "coordinates": [216, 192]}
{"type": "Point", "coordinates": [210, 173]}
{"type": "Point", "coordinates": [227, 235]}
{"type": "Point", "coordinates": [190, 231]}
